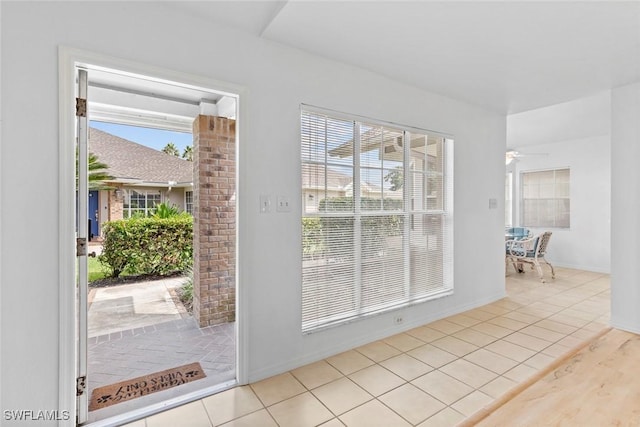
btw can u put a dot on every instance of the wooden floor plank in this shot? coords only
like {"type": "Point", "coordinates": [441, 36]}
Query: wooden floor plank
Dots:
{"type": "Point", "coordinates": [598, 386]}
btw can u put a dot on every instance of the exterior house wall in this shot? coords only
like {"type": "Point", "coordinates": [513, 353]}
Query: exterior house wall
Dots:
{"type": "Point", "coordinates": [115, 204]}
{"type": "Point", "coordinates": [112, 207]}
{"type": "Point", "coordinates": [269, 163]}
{"type": "Point", "coordinates": [175, 196]}
{"type": "Point", "coordinates": [311, 198]}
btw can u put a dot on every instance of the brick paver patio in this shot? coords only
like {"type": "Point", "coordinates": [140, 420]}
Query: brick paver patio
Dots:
{"type": "Point", "coordinates": [141, 350]}
{"type": "Point", "coordinates": [129, 354]}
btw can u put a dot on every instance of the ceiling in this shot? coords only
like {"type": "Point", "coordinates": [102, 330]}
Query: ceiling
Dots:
{"type": "Point", "coordinates": [508, 56]}
{"type": "Point", "coordinates": [573, 120]}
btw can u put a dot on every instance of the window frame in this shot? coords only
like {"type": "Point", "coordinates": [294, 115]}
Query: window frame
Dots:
{"type": "Point", "coordinates": [524, 222]}
{"type": "Point", "coordinates": [188, 204]}
{"type": "Point", "coordinates": [128, 211]}
{"type": "Point", "coordinates": [409, 212]}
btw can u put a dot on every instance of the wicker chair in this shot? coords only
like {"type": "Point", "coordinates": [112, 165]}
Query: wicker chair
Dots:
{"type": "Point", "coordinates": [530, 251]}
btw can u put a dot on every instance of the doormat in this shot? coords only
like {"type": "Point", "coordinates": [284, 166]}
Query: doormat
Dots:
{"type": "Point", "coordinates": [141, 386]}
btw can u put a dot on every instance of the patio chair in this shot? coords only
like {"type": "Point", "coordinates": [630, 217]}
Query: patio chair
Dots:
{"type": "Point", "coordinates": [530, 251]}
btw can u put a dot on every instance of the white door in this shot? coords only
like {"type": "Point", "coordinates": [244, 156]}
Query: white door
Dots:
{"type": "Point", "coordinates": [82, 197]}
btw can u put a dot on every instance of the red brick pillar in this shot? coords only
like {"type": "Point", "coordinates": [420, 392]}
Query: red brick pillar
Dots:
{"type": "Point", "coordinates": [214, 220]}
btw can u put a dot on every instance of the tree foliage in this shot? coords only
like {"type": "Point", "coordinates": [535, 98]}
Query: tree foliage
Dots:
{"type": "Point", "coordinates": [171, 149]}
{"type": "Point", "coordinates": [396, 178]}
{"type": "Point", "coordinates": [187, 154]}
{"type": "Point", "coordinates": [164, 210]}
{"type": "Point", "coordinates": [98, 173]}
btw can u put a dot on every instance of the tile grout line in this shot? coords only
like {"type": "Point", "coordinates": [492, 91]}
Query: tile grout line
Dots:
{"type": "Point", "coordinates": [452, 334]}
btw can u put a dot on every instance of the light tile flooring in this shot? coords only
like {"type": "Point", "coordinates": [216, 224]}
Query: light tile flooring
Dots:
{"type": "Point", "coordinates": [434, 375]}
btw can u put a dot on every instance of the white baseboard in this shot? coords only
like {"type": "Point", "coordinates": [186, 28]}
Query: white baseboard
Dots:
{"type": "Point", "coordinates": [288, 365]}
{"type": "Point", "coordinates": [635, 329]}
{"type": "Point", "coordinates": [595, 269]}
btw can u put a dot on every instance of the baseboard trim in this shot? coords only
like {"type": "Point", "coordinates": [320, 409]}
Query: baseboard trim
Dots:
{"type": "Point", "coordinates": [379, 334]}
{"type": "Point", "coordinates": [625, 327]}
{"type": "Point", "coordinates": [589, 268]}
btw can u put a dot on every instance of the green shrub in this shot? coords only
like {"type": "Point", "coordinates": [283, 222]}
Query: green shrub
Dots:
{"type": "Point", "coordinates": [155, 246]}
{"type": "Point", "coordinates": [185, 292]}
{"type": "Point", "coordinates": [312, 241]}
{"type": "Point", "coordinates": [334, 236]}
{"type": "Point", "coordinates": [163, 210]}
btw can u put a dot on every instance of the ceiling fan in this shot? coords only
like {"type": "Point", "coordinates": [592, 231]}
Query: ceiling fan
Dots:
{"type": "Point", "coordinates": [513, 155]}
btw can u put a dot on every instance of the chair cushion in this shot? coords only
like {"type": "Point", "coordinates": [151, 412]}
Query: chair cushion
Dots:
{"type": "Point", "coordinates": [517, 233]}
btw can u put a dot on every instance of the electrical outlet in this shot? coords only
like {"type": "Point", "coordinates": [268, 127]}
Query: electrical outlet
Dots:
{"type": "Point", "coordinates": [283, 204]}
{"type": "Point", "coordinates": [398, 319]}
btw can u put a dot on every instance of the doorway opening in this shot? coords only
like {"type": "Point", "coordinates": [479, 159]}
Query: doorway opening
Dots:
{"type": "Point", "coordinates": [140, 348]}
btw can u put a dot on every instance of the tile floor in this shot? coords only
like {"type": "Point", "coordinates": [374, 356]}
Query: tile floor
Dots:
{"type": "Point", "coordinates": [434, 375]}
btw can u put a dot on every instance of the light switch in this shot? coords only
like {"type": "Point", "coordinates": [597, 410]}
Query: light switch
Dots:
{"type": "Point", "coordinates": [493, 203]}
{"type": "Point", "coordinates": [265, 203]}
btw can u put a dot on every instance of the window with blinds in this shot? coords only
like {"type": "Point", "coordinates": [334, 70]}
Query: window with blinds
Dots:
{"type": "Point", "coordinates": [377, 219]}
{"type": "Point", "coordinates": [545, 198]}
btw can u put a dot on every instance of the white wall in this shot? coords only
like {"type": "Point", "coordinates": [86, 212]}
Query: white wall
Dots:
{"type": "Point", "coordinates": [1, 207]}
{"type": "Point", "coordinates": [586, 244]}
{"type": "Point", "coordinates": [278, 79]}
{"type": "Point", "coordinates": [625, 203]}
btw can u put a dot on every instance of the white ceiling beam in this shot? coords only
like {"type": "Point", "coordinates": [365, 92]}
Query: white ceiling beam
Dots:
{"type": "Point", "coordinates": [143, 118]}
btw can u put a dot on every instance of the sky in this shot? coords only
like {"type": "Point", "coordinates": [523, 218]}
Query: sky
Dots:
{"type": "Point", "coordinates": [154, 138]}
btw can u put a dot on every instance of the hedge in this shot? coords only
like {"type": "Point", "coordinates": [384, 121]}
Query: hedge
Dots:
{"type": "Point", "coordinates": [312, 240]}
{"type": "Point", "coordinates": [333, 236]}
{"type": "Point", "coordinates": [154, 246]}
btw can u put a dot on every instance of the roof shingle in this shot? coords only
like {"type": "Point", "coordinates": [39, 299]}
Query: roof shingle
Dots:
{"type": "Point", "coordinates": [128, 160]}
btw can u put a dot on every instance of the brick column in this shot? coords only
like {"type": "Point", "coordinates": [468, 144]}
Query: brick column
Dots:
{"type": "Point", "coordinates": [214, 220]}
{"type": "Point", "coordinates": [116, 205]}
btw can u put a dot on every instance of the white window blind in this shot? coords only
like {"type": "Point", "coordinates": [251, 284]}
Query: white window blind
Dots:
{"type": "Point", "coordinates": [377, 221]}
{"type": "Point", "coordinates": [546, 199]}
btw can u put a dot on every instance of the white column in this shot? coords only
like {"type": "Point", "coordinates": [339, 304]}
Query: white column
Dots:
{"type": "Point", "coordinates": [625, 208]}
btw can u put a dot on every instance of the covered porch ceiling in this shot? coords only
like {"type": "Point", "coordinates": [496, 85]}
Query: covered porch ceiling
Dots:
{"type": "Point", "coordinates": [125, 98]}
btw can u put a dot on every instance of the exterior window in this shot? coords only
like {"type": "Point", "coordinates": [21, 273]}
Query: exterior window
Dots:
{"type": "Point", "coordinates": [140, 203]}
{"type": "Point", "coordinates": [546, 198]}
{"type": "Point", "coordinates": [188, 201]}
{"type": "Point", "coordinates": [377, 220]}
